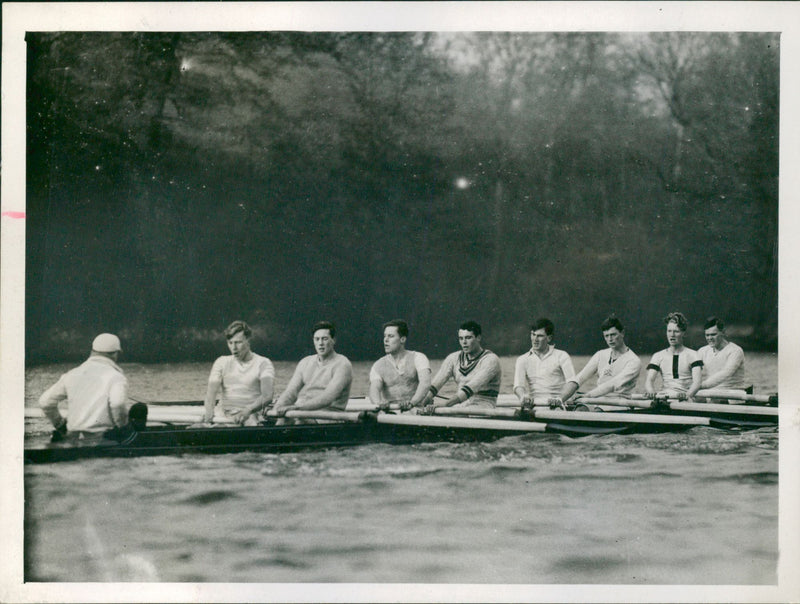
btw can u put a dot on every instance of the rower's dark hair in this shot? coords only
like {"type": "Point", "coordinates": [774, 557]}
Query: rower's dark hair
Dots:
{"type": "Point", "coordinates": [612, 321]}
{"type": "Point", "coordinates": [324, 325]}
{"type": "Point", "coordinates": [544, 323]}
{"type": "Point", "coordinates": [679, 319]}
{"type": "Point", "coordinates": [402, 327]}
{"type": "Point", "coordinates": [472, 326]}
{"type": "Point", "coordinates": [712, 321]}
{"type": "Point", "coordinates": [236, 327]}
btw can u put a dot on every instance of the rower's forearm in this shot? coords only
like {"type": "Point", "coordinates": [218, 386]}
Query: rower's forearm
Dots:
{"type": "Point", "coordinates": [311, 404]}
{"type": "Point", "coordinates": [375, 393]}
{"type": "Point", "coordinates": [259, 404]}
{"type": "Point", "coordinates": [422, 390]}
{"type": "Point", "coordinates": [569, 389]}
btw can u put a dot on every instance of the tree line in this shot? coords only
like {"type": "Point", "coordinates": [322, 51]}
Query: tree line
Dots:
{"type": "Point", "coordinates": [178, 181]}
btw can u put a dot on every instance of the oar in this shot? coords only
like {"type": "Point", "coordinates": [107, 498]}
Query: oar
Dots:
{"type": "Point", "coordinates": [682, 406]}
{"type": "Point", "coordinates": [613, 402]}
{"type": "Point", "coordinates": [159, 403]}
{"type": "Point", "coordinates": [622, 418]}
{"type": "Point", "coordinates": [346, 416]}
{"type": "Point", "coordinates": [480, 411]}
{"type": "Point", "coordinates": [738, 395]}
{"type": "Point", "coordinates": [459, 422]}
{"type": "Point", "coordinates": [730, 409]}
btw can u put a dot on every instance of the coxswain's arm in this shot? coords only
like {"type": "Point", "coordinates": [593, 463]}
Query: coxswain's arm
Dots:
{"type": "Point", "coordinates": [733, 363]}
{"type": "Point", "coordinates": [340, 380]}
{"type": "Point", "coordinates": [49, 401]}
{"type": "Point", "coordinates": [118, 401]}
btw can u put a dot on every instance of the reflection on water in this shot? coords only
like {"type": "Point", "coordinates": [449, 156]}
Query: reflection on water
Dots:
{"type": "Point", "coordinates": [693, 507]}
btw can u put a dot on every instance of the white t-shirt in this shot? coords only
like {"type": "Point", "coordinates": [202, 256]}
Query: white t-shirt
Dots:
{"type": "Point", "coordinates": [622, 372]}
{"type": "Point", "coordinates": [675, 369]}
{"type": "Point", "coordinates": [543, 377]}
{"type": "Point", "coordinates": [241, 382]}
{"type": "Point", "coordinates": [723, 368]}
{"type": "Point", "coordinates": [399, 382]}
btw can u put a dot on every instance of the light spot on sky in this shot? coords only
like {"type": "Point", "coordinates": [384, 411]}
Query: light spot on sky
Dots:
{"type": "Point", "coordinates": [462, 183]}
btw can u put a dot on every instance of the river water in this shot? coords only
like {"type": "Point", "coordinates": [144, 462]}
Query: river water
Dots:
{"type": "Point", "coordinates": [697, 507]}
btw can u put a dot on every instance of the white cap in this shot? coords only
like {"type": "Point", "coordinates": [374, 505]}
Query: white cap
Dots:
{"type": "Point", "coordinates": [106, 342]}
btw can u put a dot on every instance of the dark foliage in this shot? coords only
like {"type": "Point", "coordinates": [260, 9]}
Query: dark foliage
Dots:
{"type": "Point", "coordinates": [178, 181]}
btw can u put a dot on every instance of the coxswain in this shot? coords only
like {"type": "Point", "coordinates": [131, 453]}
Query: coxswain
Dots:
{"type": "Point", "coordinates": [401, 377]}
{"type": "Point", "coordinates": [541, 373]}
{"type": "Point", "coordinates": [475, 370]}
{"type": "Point", "coordinates": [321, 381]}
{"type": "Point", "coordinates": [616, 368]}
{"type": "Point", "coordinates": [96, 393]}
{"type": "Point", "coordinates": [243, 380]}
{"type": "Point", "coordinates": [680, 367]}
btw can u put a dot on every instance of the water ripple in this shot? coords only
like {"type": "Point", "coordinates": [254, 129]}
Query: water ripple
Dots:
{"type": "Point", "coordinates": [209, 497]}
{"type": "Point", "coordinates": [763, 478]}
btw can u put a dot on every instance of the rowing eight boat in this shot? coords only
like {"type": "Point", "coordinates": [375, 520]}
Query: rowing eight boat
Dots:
{"type": "Point", "coordinates": [362, 427]}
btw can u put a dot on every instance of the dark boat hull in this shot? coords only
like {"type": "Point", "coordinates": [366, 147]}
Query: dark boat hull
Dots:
{"type": "Point", "coordinates": [277, 439]}
{"type": "Point", "coordinates": [272, 439]}
{"type": "Point", "coordinates": [281, 439]}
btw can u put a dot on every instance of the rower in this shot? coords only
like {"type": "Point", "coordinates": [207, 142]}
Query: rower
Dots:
{"type": "Point", "coordinates": [402, 376]}
{"type": "Point", "coordinates": [475, 370]}
{"type": "Point", "coordinates": [542, 373]}
{"type": "Point", "coordinates": [680, 367]}
{"type": "Point", "coordinates": [244, 379]}
{"type": "Point", "coordinates": [616, 367]}
{"type": "Point", "coordinates": [723, 361]}
{"type": "Point", "coordinates": [96, 393]}
{"type": "Point", "coordinates": [320, 381]}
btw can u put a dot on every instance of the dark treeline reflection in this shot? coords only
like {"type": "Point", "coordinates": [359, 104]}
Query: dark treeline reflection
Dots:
{"type": "Point", "coordinates": [178, 181]}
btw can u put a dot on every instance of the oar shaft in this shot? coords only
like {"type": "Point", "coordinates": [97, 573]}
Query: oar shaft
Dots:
{"type": "Point", "coordinates": [460, 422]}
{"type": "Point", "coordinates": [736, 395]}
{"type": "Point", "coordinates": [731, 409]}
{"type": "Point", "coordinates": [621, 417]}
{"type": "Point", "coordinates": [481, 411]}
{"type": "Point", "coordinates": [342, 416]}
{"type": "Point", "coordinates": [614, 402]}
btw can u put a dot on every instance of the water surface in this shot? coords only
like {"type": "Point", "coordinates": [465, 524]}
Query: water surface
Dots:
{"type": "Point", "coordinates": [696, 507]}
